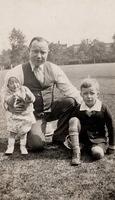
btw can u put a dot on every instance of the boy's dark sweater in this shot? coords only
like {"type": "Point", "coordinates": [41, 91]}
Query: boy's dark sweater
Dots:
{"type": "Point", "coordinates": [96, 127]}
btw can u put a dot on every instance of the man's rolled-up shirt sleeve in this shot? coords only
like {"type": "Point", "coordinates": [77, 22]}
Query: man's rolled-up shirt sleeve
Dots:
{"type": "Point", "coordinates": [64, 84]}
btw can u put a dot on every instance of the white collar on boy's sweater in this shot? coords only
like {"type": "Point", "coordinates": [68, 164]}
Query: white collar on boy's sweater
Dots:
{"type": "Point", "coordinates": [96, 107]}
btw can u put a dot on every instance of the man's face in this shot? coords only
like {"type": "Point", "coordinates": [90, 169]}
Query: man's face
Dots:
{"type": "Point", "coordinates": [38, 52]}
{"type": "Point", "coordinates": [89, 95]}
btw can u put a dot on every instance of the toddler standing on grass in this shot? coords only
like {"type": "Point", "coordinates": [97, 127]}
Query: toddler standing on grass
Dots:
{"type": "Point", "coordinates": [93, 122]}
{"type": "Point", "coordinates": [18, 123]}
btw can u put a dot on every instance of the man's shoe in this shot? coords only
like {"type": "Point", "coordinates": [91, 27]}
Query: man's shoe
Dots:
{"type": "Point", "coordinates": [75, 161]}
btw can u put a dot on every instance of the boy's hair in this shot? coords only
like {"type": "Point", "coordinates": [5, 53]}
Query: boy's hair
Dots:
{"type": "Point", "coordinates": [89, 82]}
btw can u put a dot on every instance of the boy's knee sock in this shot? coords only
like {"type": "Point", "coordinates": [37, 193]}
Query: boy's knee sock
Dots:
{"type": "Point", "coordinates": [74, 129]}
{"type": "Point", "coordinates": [75, 149]}
{"type": "Point", "coordinates": [74, 137]}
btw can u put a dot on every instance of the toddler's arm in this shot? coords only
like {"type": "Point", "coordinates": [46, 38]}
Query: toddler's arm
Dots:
{"type": "Point", "coordinates": [8, 101]}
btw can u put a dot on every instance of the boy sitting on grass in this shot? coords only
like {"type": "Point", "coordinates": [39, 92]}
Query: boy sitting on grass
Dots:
{"type": "Point", "coordinates": [92, 121]}
{"type": "Point", "coordinates": [18, 123]}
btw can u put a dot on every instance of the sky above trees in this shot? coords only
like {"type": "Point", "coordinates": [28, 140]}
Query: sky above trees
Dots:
{"type": "Point", "coordinates": [67, 21]}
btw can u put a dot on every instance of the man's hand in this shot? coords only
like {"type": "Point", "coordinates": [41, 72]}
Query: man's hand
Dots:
{"type": "Point", "coordinates": [17, 109]}
{"type": "Point", "coordinates": [110, 151]}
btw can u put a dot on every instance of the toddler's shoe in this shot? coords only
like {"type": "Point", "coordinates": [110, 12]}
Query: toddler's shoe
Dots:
{"type": "Point", "coordinates": [23, 150]}
{"type": "Point", "coordinates": [9, 150]}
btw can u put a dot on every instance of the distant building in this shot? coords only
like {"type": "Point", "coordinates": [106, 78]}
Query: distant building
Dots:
{"type": "Point", "coordinates": [75, 47]}
{"type": "Point", "coordinates": [62, 46]}
{"type": "Point", "coordinates": [108, 46]}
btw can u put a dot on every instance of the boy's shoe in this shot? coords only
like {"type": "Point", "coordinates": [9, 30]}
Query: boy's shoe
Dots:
{"type": "Point", "coordinates": [9, 150]}
{"type": "Point", "coordinates": [75, 160]}
{"type": "Point", "coordinates": [23, 150]}
{"type": "Point", "coordinates": [76, 156]}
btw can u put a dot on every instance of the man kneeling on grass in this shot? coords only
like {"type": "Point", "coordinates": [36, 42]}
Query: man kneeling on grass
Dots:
{"type": "Point", "coordinates": [92, 121]}
{"type": "Point", "coordinates": [42, 78]}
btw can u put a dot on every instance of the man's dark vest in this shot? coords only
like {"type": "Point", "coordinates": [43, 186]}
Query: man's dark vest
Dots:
{"type": "Point", "coordinates": [43, 92]}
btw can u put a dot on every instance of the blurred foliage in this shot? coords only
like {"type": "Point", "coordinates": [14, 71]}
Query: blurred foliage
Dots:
{"type": "Point", "coordinates": [5, 59]}
{"type": "Point", "coordinates": [19, 51]}
{"type": "Point", "coordinates": [87, 51]}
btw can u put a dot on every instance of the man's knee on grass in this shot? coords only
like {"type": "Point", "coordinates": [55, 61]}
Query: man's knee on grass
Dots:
{"type": "Point", "coordinates": [36, 138]}
{"type": "Point", "coordinates": [97, 152]}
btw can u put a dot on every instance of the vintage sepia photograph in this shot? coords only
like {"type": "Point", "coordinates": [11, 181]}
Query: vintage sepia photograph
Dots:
{"type": "Point", "coordinates": [57, 100]}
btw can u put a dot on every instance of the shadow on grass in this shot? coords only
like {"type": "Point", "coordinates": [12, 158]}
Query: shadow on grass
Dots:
{"type": "Point", "coordinates": [50, 152]}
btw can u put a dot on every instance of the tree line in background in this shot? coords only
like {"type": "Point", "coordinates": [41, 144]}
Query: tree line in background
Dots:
{"type": "Point", "coordinates": [86, 52]}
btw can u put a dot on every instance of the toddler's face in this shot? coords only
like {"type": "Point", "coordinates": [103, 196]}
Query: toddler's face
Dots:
{"type": "Point", "coordinates": [13, 84]}
{"type": "Point", "coordinates": [89, 95]}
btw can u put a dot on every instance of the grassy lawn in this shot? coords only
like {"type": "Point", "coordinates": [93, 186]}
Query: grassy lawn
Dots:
{"type": "Point", "coordinates": [48, 175]}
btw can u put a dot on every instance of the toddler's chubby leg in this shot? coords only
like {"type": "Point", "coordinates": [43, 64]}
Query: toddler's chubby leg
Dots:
{"type": "Point", "coordinates": [74, 129]}
{"type": "Point", "coordinates": [11, 142]}
{"type": "Point", "coordinates": [23, 144]}
{"type": "Point", "coordinates": [97, 152]}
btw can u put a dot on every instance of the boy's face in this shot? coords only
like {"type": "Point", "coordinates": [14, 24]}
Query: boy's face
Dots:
{"type": "Point", "coordinates": [13, 84]}
{"type": "Point", "coordinates": [38, 52]}
{"type": "Point", "coordinates": [89, 95]}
